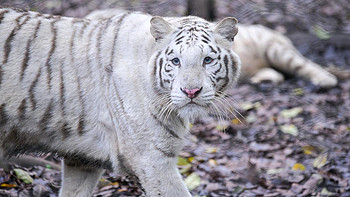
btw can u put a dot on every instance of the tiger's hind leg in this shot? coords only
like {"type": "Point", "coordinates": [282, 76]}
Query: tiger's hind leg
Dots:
{"type": "Point", "coordinates": [283, 56]}
{"type": "Point", "coordinates": [78, 181]}
{"type": "Point", "coordinates": [267, 74]}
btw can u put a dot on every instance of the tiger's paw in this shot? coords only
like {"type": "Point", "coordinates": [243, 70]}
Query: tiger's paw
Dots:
{"type": "Point", "coordinates": [324, 80]}
{"type": "Point", "coordinates": [267, 74]}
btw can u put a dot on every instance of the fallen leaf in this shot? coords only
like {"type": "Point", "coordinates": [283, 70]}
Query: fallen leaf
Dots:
{"type": "Point", "coordinates": [23, 175]}
{"type": "Point", "coordinates": [190, 159]}
{"type": "Point", "coordinates": [251, 118]}
{"type": "Point", "coordinates": [7, 185]}
{"type": "Point", "coordinates": [221, 127]}
{"type": "Point", "coordinates": [320, 161]}
{"type": "Point", "coordinates": [290, 129]}
{"type": "Point", "coordinates": [320, 32]}
{"type": "Point", "coordinates": [182, 161]}
{"type": "Point", "coordinates": [275, 171]}
{"type": "Point", "coordinates": [192, 181]}
{"type": "Point", "coordinates": [185, 169]}
{"type": "Point", "coordinates": [211, 150]}
{"type": "Point", "coordinates": [291, 113]}
{"type": "Point", "coordinates": [248, 105]}
{"type": "Point", "coordinates": [298, 91]}
{"type": "Point", "coordinates": [308, 150]}
{"type": "Point", "coordinates": [325, 192]}
{"type": "Point", "coordinates": [212, 162]}
{"type": "Point", "coordinates": [298, 167]}
{"type": "Point", "coordinates": [236, 121]}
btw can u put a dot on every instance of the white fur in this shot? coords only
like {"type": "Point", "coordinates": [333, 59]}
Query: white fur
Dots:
{"type": "Point", "coordinates": [111, 88]}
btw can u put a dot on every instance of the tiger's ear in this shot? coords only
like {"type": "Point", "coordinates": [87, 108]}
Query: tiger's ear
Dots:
{"type": "Point", "coordinates": [227, 28]}
{"type": "Point", "coordinates": [160, 28]}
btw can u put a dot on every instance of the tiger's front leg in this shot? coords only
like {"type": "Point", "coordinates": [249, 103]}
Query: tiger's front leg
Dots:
{"type": "Point", "coordinates": [78, 181]}
{"type": "Point", "coordinates": [159, 176]}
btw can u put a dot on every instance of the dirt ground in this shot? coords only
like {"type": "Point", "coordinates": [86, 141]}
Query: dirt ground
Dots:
{"type": "Point", "coordinates": [291, 139]}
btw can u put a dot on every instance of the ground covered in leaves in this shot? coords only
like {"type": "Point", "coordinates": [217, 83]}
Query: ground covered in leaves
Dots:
{"type": "Point", "coordinates": [291, 139]}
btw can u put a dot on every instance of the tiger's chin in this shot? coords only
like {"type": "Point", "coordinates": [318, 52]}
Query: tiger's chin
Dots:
{"type": "Point", "coordinates": [192, 112]}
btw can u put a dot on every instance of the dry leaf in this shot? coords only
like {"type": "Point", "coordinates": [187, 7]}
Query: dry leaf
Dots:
{"type": "Point", "coordinates": [298, 167]}
{"type": "Point", "coordinates": [291, 113]}
{"type": "Point", "coordinates": [192, 181]}
{"type": "Point", "coordinates": [290, 129]}
{"type": "Point", "coordinates": [211, 150]}
{"type": "Point", "coordinates": [23, 175]}
{"type": "Point", "coordinates": [308, 150]}
{"type": "Point", "coordinates": [7, 185]}
{"type": "Point", "coordinates": [320, 161]}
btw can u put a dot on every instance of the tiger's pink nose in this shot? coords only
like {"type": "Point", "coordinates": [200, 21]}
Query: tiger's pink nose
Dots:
{"type": "Point", "coordinates": [191, 93]}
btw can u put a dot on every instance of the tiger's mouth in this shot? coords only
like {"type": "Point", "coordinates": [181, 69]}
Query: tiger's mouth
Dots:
{"type": "Point", "coordinates": [193, 104]}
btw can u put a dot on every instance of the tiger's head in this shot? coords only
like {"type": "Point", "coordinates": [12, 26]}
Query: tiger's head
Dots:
{"type": "Point", "coordinates": [193, 65]}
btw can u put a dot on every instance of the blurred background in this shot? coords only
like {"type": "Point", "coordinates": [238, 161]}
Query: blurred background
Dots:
{"type": "Point", "coordinates": [294, 137]}
{"type": "Point", "coordinates": [311, 24]}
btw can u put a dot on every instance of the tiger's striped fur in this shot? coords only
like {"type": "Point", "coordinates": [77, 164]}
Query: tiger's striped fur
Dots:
{"type": "Point", "coordinates": [114, 93]}
{"type": "Point", "coordinates": [262, 50]}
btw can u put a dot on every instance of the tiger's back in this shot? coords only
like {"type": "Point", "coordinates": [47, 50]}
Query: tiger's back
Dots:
{"type": "Point", "coordinates": [46, 96]}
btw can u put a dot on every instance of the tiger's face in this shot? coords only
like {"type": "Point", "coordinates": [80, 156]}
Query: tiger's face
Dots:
{"type": "Point", "coordinates": [196, 65]}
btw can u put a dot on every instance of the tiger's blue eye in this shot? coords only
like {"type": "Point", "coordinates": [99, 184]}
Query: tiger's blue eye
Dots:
{"type": "Point", "coordinates": [208, 60]}
{"type": "Point", "coordinates": [176, 61]}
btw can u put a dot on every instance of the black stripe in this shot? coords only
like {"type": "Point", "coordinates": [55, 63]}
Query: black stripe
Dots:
{"type": "Point", "coordinates": [65, 130]}
{"type": "Point", "coordinates": [226, 79]}
{"type": "Point", "coordinates": [206, 38]}
{"type": "Point", "coordinates": [26, 57]}
{"type": "Point", "coordinates": [81, 123]}
{"type": "Point", "coordinates": [155, 72]}
{"type": "Point", "coordinates": [44, 121]}
{"type": "Point", "coordinates": [218, 70]}
{"type": "Point", "coordinates": [99, 39]}
{"type": "Point", "coordinates": [7, 46]}
{"type": "Point", "coordinates": [166, 153]}
{"type": "Point", "coordinates": [31, 89]}
{"type": "Point", "coordinates": [22, 109]}
{"type": "Point", "coordinates": [178, 39]}
{"type": "Point", "coordinates": [206, 33]}
{"type": "Point", "coordinates": [213, 50]}
{"type": "Point", "coordinates": [2, 15]}
{"type": "Point", "coordinates": [205, 41]}
{"type": "Point", "coordinates": [85, 24]}
{"type": "Point", "coordinates": [160, 72]}
{"type": "Point", "coordinates": [119, 23]}
{"type": "Point", "coordinates": [234, 64]}
{"type": "Point", "coordinates": [170, 52]}
{"type": "Point", "coordinates": [173, 133]}
{"type": "Point", "coordinates": [52, 49]}
{"type": "Point", "coordinates": [62, 89]}
{"type": "Point", "coordinates": [3, 116]}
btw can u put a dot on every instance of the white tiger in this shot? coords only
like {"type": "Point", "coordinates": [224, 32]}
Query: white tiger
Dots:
{"type": "Point", "coordinates": [262, 50]}
{"type": "Point", "coordinates": [116, 93]}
